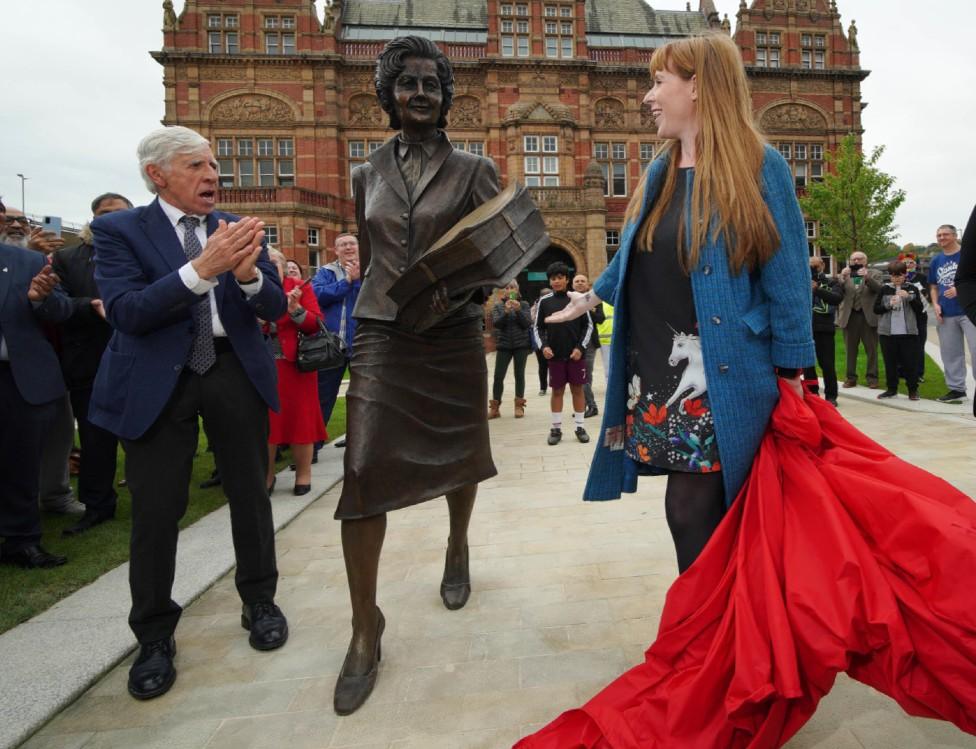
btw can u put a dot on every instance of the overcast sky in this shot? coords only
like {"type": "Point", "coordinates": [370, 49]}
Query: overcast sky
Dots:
{"type": "Point", "coordinates": [82, 90]}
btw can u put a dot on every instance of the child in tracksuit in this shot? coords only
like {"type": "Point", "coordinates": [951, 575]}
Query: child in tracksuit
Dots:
{"type": "Point", "coordinates": [563, 345]}
{"type": "Point", "coordinates": [898, 307]}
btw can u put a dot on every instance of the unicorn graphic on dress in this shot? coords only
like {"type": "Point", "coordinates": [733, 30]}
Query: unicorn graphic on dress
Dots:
{"type": "Point", "coordinates": [687, 347]}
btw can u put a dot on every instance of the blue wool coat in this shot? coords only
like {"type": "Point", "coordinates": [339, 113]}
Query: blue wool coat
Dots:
{"type": "Point", "coordinates": [748, 323]}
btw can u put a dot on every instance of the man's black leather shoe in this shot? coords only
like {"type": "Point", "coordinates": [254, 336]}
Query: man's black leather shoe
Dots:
{"type": "Point", "coordinates": [31, 557]}
{"type": "Point", "coordinates": [341, 442]}
{"type": "Point", "coordinates": [153, 673]}
{"type": "Point", "coordinates": [591, 411]}
{"type": "Point", "coordinates": [268, 626]}
{"type": "Point", "coordinates": [87, 521]}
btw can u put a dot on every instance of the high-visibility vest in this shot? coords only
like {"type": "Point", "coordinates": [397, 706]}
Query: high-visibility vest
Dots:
{"type": "Point", "coordinates": [605, 328]}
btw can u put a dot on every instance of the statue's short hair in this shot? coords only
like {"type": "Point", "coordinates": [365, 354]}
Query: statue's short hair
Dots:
{"type": "Point", "coordinates": [161, 145]}
{"type": "Point", "coordinates": [390, 64]}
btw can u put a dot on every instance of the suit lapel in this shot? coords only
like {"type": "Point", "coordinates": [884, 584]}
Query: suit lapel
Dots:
{"type": "Point", "coordinates": [8, 269]}
{"type": "Point", "coordinates": [384, 162]}
{"type": "Point", "coordinates": [162, 235]}
{"type": "Point", "coordinates": [444, 150]}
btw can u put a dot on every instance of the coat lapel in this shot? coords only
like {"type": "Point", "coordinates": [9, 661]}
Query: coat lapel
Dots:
{"type": "Point", "coordinates": [444, 150]}
{"type": "Point", "coordinates": [162, 235]}
{"type": "Point", "coordinates": [383, 160]}
{"type": "Point", "coordinates": [8, 269]}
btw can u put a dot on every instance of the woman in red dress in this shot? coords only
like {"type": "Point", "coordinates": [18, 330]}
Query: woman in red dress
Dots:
{"type": "Point", "coordinates": [299, 422]}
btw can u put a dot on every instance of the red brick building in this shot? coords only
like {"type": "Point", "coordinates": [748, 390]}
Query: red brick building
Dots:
{"type": "Point", "coordinates": [549, 89]}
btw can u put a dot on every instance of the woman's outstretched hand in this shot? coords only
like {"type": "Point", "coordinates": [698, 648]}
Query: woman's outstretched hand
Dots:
{"type": "Point", "coordinates": [578, 306]}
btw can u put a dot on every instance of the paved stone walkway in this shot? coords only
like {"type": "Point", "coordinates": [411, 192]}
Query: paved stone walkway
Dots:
{"type": "Point", "coordinates": [566, 596]}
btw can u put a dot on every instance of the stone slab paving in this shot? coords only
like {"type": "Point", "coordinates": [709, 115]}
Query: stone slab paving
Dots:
{"type": "Point", "coordinates": [567, 595]}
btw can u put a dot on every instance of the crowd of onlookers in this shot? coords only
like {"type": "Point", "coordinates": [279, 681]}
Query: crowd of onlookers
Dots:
{"type": "Point", "coordinates": [68, 443]}
{"type": "Point", "coordinates": [886, 306]}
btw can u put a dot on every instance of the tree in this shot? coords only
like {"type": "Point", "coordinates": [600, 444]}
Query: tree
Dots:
{"type": "Point", "coordinates": [855, 203]}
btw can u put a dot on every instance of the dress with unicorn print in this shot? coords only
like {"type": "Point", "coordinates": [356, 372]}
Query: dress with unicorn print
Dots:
{"type": "Point", "coordinates": [669, 420]}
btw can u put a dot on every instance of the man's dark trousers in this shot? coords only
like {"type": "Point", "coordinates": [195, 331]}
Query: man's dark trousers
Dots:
{"type": "Point", "coordinates": [823, 343]}
{"type": "Point", "coordinates": [99, 455]}
{"type": "Point", "coordinates": [22, 429]}
{"type": "Point", "coordinates": [236, 417]}
{"type": "Point", "coordinates": [859, 331]}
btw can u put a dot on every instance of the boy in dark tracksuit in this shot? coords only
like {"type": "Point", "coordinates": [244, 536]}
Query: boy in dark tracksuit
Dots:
{"type": "Point", "coordinates": [563, 345]}
{"type": "Point", "coordinates": [897, 307]}
{"type": "Point", "coordinates": [826, 295]}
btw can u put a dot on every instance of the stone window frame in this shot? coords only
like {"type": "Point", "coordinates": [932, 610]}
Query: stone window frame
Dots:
{"type": "Point", "coordinates": [243, 160]}
{"type": "Point", "coordinates": [223, 38]}
{"type": "Point", "coordinates": [613, 161]}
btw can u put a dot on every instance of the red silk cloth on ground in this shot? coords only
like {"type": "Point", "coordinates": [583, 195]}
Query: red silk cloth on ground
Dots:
{"type": "Point", "coordinates": [836, 556]}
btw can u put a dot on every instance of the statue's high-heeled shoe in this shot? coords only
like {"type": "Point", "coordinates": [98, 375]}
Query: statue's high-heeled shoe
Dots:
{"type": "Point", "coordinates": [352, 691]}
{"type": "Point", "coordinates": [456, 589]}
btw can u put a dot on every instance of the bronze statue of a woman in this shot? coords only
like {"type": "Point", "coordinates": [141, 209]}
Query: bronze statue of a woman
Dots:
{"type": "Point", "coordinates": [417, 424]}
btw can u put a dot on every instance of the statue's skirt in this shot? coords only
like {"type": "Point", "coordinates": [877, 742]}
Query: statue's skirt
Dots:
{"type": "Point", "coordinates": [416, 415]}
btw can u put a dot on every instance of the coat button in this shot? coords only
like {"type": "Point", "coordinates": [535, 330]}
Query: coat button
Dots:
{"type": "Point", "coordinates": [404, 216]}
{"type": "Point", "coordinates": [707, 270]}
{"type": "Point", "coordinates": [177, 367]}
{"type": "Point", "coordinates": [716, 319]}
{"type": "Point", "coordinates": [723, 368]}
{"type": "Point", "coordinates": [403, 243]}
{"type": "Point", "coordinates": [402, 269]}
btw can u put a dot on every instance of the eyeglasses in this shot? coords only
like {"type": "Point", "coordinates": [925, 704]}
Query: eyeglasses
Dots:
{"type": "Point", "coordinates": [17, 220]}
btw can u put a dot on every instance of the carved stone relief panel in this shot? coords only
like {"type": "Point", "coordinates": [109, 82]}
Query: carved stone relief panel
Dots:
{"type": "Point", "coordinates": [252, 108]}
{"type": "Point", "coordinates": [222, 73]}
{"type": "Point", "coordinates": [465, 112]}
{"type": "Point", "coordinates": [364, 110]}
{"type": "Point", "coordinates": [278, 74]}
{"type": "Point", "coordinates": [609, 113]}
{"type": "Point", "coordinates": [793, 117]}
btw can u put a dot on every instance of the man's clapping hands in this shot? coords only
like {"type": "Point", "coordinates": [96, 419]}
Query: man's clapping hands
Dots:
{"type": "Point", "coordinates": [232, 247]}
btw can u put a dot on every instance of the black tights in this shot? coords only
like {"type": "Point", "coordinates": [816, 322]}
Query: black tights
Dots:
{"type": "Point", "coordinates": [694, 504]}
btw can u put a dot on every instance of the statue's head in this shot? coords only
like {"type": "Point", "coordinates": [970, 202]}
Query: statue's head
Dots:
{"type": "Point", "coordinates": [392, 63]}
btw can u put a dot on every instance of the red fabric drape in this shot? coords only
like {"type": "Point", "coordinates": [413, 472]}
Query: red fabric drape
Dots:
{"type": "Point", "coordinates": [836, 556]}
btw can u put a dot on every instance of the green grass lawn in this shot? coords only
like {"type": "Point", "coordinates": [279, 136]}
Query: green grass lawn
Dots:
{"type": "Point", "coordinates": [932, 388]}
{"type": "Point", "coordinates": [25, 593]}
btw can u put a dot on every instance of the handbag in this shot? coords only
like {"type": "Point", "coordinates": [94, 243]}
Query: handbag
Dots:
{"type": "Point", "coordinates": [321, 350]}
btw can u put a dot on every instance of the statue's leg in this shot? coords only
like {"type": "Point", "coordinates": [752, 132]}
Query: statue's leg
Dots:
{"type": "Point", "coordinates": [456, 583]}
{"type": "Point", "coordinates": [362, 541]}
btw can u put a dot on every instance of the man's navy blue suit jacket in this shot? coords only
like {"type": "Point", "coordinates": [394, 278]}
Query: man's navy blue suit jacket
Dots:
{"type": "Point", "coordinates": [137, 259]}
{"type": "Point", "coordinates": [34, 364]}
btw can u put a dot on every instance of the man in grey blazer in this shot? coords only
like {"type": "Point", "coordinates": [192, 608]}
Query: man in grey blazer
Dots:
{"type": "Point", "coordinates": [855, 316]}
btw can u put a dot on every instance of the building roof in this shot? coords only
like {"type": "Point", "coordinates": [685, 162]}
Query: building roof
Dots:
{"type": "Point", "coordinates": [604, 18]}
{"type": "Point", "coordinates": [434, 14]}
{"type": "Point", "coordinates": [636, 17]}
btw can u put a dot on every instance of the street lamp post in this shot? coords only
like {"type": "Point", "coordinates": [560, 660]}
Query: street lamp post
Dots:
{"type": "Point", "coordinates": [23, 205]}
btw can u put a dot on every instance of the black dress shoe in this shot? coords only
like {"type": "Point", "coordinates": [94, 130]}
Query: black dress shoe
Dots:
{"type": "Point", "coordinates": [581, 435]}
{"type": "Point", "coordinates": [456, 590]}
{"type": "Point", "coordinates": [31, 557]}
{"type": "Point", "coordinates": [341, 442]}
{"type": "Point", "coordinates": [87, 521]}
{"type": "Point", "coordinates": [302, 489]}
{"type": "Point", "coordinates": [268, 626]}
{"type": "Point", "coordinates": [591, 411]}
{"type": "Point", "coordinates": [555, 434]}
{"type": "Point", "coordinates": [352, 691]}
{"type": "Point", "coordinates": [153, 673]}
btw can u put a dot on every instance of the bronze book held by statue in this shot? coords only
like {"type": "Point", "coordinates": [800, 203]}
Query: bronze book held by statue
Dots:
{"type": "Point", "coordinates": [487, 248]}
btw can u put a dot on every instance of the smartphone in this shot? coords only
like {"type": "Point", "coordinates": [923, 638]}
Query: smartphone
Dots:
{"type": "Point", "coordinates": [52, 224]}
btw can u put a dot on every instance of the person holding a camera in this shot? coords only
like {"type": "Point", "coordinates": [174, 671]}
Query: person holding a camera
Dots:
{"type": "Point", "coordinates": [511, 322]}
{"type": "Point", "coordinates": [857, 318]}
{"type": "Point", "coordinates": [826, 296]}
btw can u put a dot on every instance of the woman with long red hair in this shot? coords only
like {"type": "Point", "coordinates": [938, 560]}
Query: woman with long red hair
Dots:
{"type": "Point", "coordinates": [804, 548]}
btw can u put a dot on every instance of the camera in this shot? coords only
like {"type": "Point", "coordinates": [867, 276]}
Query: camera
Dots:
{"type": "Point", "coordinates": [818, 276]}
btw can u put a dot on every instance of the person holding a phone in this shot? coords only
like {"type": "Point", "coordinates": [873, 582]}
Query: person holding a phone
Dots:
{"type": "Point", "coordinates": [856, 317]}
{"type": "Point", "coordinates": [512, 330]}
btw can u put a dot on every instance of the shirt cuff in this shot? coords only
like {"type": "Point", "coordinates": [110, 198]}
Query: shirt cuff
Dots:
{"type": "Point", "coordinates": [252, 288]}
{"type": "Point", "coordinates": [192, 280]}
